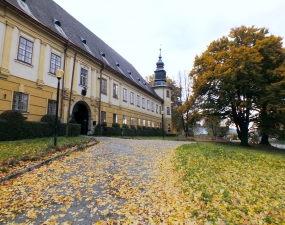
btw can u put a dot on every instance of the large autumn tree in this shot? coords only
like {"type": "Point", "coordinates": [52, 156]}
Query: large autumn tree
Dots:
{"type": "Point", "coordinates": [238, 76]}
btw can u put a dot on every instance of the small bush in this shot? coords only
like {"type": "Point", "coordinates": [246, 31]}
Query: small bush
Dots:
{"type": "Point", "coordinates": [14, 117]}
{"type": "Point", "coordinates": [50, 119]}
{"type": "Point", "coordinates": [133, 127]}
{"type": "Point", "coordinates": [126, 126]}
{"type": "Point", "coordinates": [103, 124]}
{"type": "Point", "coordinates": [139, 127]}
{"type": "Point", "coordinates": [115, 125]}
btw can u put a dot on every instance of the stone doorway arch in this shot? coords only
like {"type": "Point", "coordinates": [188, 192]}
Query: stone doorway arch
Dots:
{"type": "Point", "coordinates": [81, 114]}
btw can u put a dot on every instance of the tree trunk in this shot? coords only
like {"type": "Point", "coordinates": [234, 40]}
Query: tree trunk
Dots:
{"type": "Point", "coordinates": [241, 120]}
{"type": "Point", "coordinates": [264, 140]}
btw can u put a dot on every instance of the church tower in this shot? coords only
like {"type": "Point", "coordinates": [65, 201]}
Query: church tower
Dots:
{"type": "Point", "coordinates": [164, 91]}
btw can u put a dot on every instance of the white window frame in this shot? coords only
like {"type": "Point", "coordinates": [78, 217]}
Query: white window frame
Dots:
{"type": "Point", "coordinates": [143, 103]}
{"type": "Point", "coordinates": [51, 107]}
{"type": "Point", "coordinates": [132, 98]}
{"type": "Point", "coordinates": [168, 110]}
{"type": "Point", "coordinates": [83, 77]}
{"type": "Point", "coordinates": [25, 52]}
{"type": "Point", "coordinates": [104, 86]}
{"type": "Point", "coordinates": [148, 105]}
{"type": "Point", "coordinates": [115, 90]}
{"type": "Point", "coordinates": [20, 101]}
{"type": "Point", "coordinates": [138, 101]}
{"type": "Point", "coordinates": [125, 95]}
{"type": "Point", "coordinates": [55, 62]}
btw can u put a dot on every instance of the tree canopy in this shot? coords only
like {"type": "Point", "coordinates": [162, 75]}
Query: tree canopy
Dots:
{"type": "Point", "coordinates": [240, 77]}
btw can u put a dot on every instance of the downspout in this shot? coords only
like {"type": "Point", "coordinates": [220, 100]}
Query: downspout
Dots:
{"type": "Point", "coordinates": [70, 95]}
{"type": "Point", "coordinates": [62, 84]}
{"type": "Point", "coordinates": [100, 90]}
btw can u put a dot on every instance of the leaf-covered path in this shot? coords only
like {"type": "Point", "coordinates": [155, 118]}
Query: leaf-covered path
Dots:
{"type": "Point", "coordinates": [117, 180]}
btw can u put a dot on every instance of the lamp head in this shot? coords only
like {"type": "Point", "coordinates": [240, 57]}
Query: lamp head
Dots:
{"type": "Point", "coordinates": [162, 112]}
{"type": "Point", "coordinates": [59, 73]}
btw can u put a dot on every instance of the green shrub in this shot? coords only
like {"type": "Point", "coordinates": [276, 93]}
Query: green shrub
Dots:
{"type": "Point", "coordinates": [115, 125]}
{"type": "Point", "coordinates": [12, 116]}
{"type": "Point", "coordinates": [50, 119]}
{"type": "Point", "coordinates": [133, 127]}
{"type": "Point", "coordinates": [125, 126]}
{"type": "Point", "coordinates": [103, 124]}
{"type": "Point", "coordinates": [139, 127]}
{"type": "Point", "coordinates": [5, 131]}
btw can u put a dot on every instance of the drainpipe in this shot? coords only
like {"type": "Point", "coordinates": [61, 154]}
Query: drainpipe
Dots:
{"type": "Point", "coordinates": [62, 84]}
{"type": "Point", "coordinates": [70, 95]}
{"type": "Point", "coordinates": [100, 90]}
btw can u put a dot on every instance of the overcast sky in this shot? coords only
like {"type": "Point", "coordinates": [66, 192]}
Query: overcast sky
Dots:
{"type": "Point", "coordinates": [183, 28]}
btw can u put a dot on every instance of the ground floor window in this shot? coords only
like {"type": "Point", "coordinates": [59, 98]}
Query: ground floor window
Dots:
{"type": "Point", "coordinates": [115, 118]}
{"type": "Point", "coordinates": [103, 116]}
{"type": "Point", "coordinates": [148, 123]}
{"type": "Point", "coordinates": [20, 102]}
{"type": "Point", "coordinates": [124, 119]}
{"type": "Point", "coordinates": [152, 124]}
{"type": "Point", "coordinates": [139, 122]}
{"type": "Point", "coordinates": [132, 121]}
{"type": "Point", "coordinates": [144, 123]}
{"type": "Point", "coordinates": [51, 107]}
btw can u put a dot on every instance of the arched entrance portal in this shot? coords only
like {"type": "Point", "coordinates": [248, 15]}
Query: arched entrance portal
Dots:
{"type": "Point", "coordinates": [80, 114]}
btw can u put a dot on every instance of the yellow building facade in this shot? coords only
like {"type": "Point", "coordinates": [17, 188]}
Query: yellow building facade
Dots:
{"type": "Point", "coordinates": [98, 84]}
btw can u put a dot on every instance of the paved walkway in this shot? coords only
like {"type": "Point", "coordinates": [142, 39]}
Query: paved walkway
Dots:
{"type": "Point", "coordinates": [102, 182]}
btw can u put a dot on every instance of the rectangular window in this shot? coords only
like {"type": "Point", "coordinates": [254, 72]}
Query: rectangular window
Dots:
{"type": "Point", "coordinates": [51, 107]}
{"type": "Point", "coordinates": [168, 110]}
{"type": "Point", "coordinates": [115, 90]}
{"type": "Point", "coordinates": [144, 123]}
{"type": "Point", "coordinates": [152, 124]}
{"type": "Point", "coordinates": [125, 97]}
{"type": "Point", "coordinates": [54, 63]}
{"type": "Point", "coordinates": [160, 109]}
{"type": "Point", "coordinates": [138, 101]}
{"type": "Point", "coordinates": [156, 109]}
{"type": "Point", "coordinates": [143, 103]}
{"type": "Point", "coordinates": [148, 105]}
{"type": "Point", "coordinates": [152, 106]}
{"type": "Point", "coordinates": [115, 118]}
{"type": "Point", "coordinates": [20, 102]}
{"type": "Point", "coordinates": [83, 77]}
{"type": "Point", "coordinates": [132, 96]}
{"type": "Point", "coordinates": [132, 121]}
{"type": "Point", "coordinates": [139, 122]}
{"type": "Point", "coordinates": [124, 119]}
{"type": "Point", "coordinates": [167, 94]}
{"type": "Point", "coordinates": [104, 86]}
{"type": "Point", "coordinates": [25, 50]}
{"type": "Point", "coordinates": [103, 116]}
{"type": "Point", "coordinates": [148, 123]}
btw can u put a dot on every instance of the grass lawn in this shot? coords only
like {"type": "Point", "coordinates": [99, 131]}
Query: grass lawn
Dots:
{"type": "Point", "coordinates": [12, 152]}
{"type": "Point", "coordinates": [230, 184]}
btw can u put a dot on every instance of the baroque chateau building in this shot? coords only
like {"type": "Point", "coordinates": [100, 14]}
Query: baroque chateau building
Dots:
{"type": "Point", "coordinates": [37, 37]}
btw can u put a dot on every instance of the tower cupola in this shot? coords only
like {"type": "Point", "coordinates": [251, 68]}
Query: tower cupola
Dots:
{"type": "Point", "coordinates": [160, 73]}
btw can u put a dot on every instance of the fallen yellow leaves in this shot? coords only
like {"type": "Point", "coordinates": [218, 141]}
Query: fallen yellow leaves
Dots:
{"type": "Point", "coordinates": [149, 182]}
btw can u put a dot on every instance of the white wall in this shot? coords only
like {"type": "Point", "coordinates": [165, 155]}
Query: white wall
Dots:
{"type": "Point", "coordinates": [17, 68]}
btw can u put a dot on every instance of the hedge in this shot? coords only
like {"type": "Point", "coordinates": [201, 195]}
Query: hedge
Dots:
{"type": "Point", "coordinates": [116, 131]}
{"type": "Point", "coordinates": [30, 129]}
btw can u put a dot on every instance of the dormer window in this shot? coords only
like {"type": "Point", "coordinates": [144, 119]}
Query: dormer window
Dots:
{"type": "Point", "coordinates": [57, 25]}
{"type": "Point", "coordinates": [104, 57]}
{"type": "Point", "coordinates": [83, 41]}
{"type": "Point", "coordinates": [86, 46]}
{"type": "Point", "coordinates": [118, 65]}
{"type": "Point", "coordinates": [25, 7]}
{"type": "Point", "coordinates": [139, 79]}
{"type": "Point", "coordinates": [57, 22]}
{"type": "Point", "coordinates": [129, 72]}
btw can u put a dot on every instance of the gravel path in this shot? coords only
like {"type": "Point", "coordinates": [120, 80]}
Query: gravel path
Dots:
{"type": "Point", "coordinates": [85, 187]}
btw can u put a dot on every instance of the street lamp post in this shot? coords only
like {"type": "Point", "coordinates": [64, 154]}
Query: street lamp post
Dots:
{"type": "Point", "coordinates": [59, 74]}
{"type": "Point", "coordinates": [162, 113]}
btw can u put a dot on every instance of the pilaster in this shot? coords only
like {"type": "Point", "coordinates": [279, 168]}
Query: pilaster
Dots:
{"type": "Point", "coordinates": [4, 69]}
{"type": "Point", "coordinates": [40, 81]}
